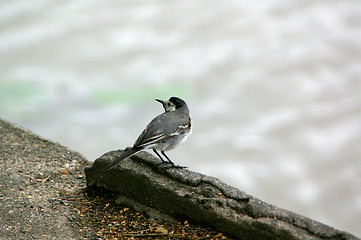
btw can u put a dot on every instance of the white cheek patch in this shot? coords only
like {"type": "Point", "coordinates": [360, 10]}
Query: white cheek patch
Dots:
{"type": "Point", "coordinates": [171, 107]}
{"type": "Point", "coordinates": [168, 106]}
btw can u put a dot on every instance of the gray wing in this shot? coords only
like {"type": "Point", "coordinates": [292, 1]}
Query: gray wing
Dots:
{"type": "Point", "coordinates": [162, 127]}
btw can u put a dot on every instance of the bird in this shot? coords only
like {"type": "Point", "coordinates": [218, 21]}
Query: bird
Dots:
{"type": "Point", "coordinates": [165, 132]}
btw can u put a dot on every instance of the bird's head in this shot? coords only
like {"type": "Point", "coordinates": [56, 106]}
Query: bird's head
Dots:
{"type": "Point", "coordinates": [172, 103]}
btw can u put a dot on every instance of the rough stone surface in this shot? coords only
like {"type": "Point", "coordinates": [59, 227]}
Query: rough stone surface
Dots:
{"type": "Point", "coordinates": [183, 194]}
{"type": "Point", "coordinates": [38, 178]}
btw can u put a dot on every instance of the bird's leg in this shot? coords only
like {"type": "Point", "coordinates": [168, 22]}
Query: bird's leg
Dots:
{"type": "Point", "coordinates": [160, 157]}
{"type": "Point", "coordinates": [167, 157]}
{"type": "Point", "coordinates": [170, 161]}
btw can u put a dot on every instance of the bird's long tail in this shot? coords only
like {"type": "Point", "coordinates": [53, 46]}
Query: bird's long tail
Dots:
{"type": "Point", "coordinates": [124, 155]}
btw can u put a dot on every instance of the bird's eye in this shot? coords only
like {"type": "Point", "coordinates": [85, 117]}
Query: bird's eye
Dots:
{"type": "Point", "coordinates": [168, 104]}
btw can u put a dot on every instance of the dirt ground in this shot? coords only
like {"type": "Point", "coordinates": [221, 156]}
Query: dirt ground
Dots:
{"type": "Point", "coordinates": [43, 195]}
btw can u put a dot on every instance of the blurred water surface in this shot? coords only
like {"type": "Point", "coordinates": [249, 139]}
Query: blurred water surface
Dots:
{"type": "Point", "coordinates": [274, 88]}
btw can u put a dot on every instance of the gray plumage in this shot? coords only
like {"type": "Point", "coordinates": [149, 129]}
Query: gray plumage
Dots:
{"type": "Point", "coordinates": [164, 132]}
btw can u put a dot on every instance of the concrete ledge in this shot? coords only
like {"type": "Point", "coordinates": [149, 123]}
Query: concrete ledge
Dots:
{"type": "Point", "coordinates": [38, 177]}
{"type": "Point", "coordinates": [184, 194]}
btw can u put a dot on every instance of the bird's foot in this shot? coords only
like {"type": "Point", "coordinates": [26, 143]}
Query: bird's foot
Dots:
{"type": "Point", "coordinates": [177, 166]}
{"type": "Point", "coordinates": [172, 165]}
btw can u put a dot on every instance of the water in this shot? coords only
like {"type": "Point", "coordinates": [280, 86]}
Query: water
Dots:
{"type": "Point", "coordinates": [274, 88]}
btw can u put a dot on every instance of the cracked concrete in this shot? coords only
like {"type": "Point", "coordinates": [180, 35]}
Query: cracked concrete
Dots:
{"type": "Point", "coordinates": [183, 194]}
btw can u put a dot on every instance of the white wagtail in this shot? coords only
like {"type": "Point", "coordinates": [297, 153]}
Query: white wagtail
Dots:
{"type": "Point", "coordinates": [164, 132]}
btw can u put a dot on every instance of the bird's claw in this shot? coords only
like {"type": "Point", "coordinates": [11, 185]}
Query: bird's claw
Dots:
{"type": "Point", "coordinates": [171, 166]}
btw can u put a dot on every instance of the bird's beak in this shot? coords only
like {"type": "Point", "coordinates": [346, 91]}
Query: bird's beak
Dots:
{"type": "Point", "coordinates": [161, 101]}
